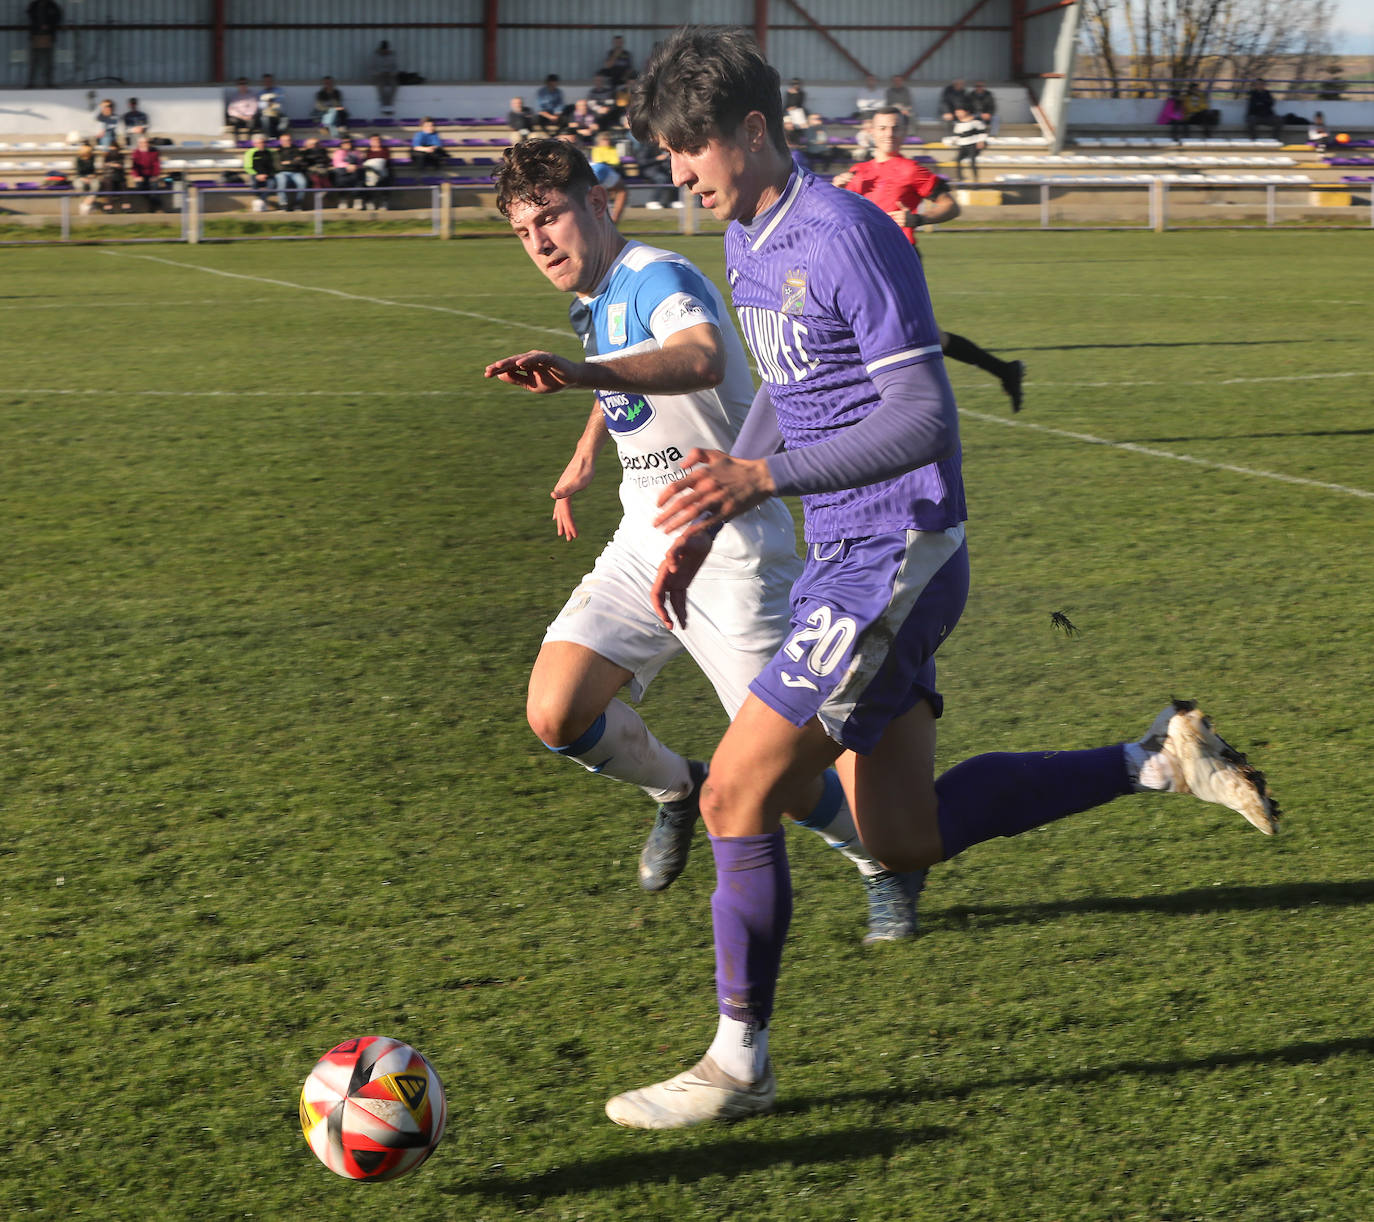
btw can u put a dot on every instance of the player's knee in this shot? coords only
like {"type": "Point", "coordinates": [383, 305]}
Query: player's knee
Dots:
{"type": "Point", "coordinates": [902, 851]}
{"type": "Point", "coordinates": [729, 808]}
{"type": "Point", "coordinates": [555, 720]}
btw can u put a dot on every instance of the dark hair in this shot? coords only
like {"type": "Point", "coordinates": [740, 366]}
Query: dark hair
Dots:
{"type": "Point", "coordinates": [890, 110]}
{"type": "Point", "coordinates": [701, 83]}
{"type": "Point", "coordinates": [529, 172]}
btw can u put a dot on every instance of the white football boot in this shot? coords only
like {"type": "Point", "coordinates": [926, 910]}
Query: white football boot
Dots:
{"type": "Point", "coordinates": [703, 1093]}
{"type": "Point", "coordinates": [1206, 766]}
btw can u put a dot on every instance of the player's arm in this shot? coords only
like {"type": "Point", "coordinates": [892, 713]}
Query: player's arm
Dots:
{"type": "Point", "coordinates": [937, 209]}
{"type": "Point", "coordinates": [933, 206]}
{"type": "Point", "coordinates": [578, 474]}
{"type": "Point", "coordinates": [760, 436]}
{"type": "Point", "coordinates": [915, 423]}
{"type": "Point", "coordinates": [688, 360]}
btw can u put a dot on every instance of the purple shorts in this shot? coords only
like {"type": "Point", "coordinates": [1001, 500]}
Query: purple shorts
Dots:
{"type": "Point", "coordinates": [867, 617]}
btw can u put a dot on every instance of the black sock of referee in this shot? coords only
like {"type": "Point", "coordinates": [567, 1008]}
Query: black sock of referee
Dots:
{"type": "Point", "coordinates": [957, 348]}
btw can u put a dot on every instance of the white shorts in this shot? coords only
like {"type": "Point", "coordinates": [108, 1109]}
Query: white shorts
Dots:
{"type": "Point", "coordinates": [734, 624]}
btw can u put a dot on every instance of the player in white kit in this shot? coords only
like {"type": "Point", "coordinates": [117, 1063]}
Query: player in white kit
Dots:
{"type": "Point", "coordinates": [670, 374]}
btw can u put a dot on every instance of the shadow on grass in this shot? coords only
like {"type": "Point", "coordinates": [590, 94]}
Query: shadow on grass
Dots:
{"type": "Point", "coordinates": [744, 1150]}
{"type": "Point", "coordinates": [1197, 900]}
{"type": "Point", "coordinates": [1308, 1052]}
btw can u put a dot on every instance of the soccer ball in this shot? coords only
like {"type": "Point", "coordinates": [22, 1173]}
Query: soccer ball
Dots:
{"type": "Point", "coordinates": [373, 1108]}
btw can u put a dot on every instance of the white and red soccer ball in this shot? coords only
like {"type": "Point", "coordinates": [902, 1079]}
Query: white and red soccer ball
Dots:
{"type": "Point", "coordinates": [373, 1108]}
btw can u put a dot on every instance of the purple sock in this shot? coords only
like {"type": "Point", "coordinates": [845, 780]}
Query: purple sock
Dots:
{"type": "Point", "coordinates": [750, 911]}
{"type": "Point", "coordinates": [1005, 794]}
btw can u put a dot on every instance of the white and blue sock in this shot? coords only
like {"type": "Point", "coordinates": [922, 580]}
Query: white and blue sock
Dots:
{"type": "Point", "coordinates": [832, 821]}
{"type": "Point", "coordinates": [618, 744]}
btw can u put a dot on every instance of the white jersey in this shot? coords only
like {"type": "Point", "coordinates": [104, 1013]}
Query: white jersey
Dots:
{"type": "Point", "coordinates": [647, 296]}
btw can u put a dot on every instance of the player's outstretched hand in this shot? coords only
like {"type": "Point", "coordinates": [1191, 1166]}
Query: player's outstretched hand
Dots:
{"type": "Point", "coordinates": [540, 372]}
{"type": "Point", "coordinates": [842, 179]}
{"type": "Point", "coordinates": [714, 489]}
{"type": "Point", "coordinates": [680, 565]}
{"type": "Point", "coordinates": [576, 476]}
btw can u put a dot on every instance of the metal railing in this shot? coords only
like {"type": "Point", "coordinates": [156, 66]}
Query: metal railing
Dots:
{"type": "Point", "coordinates": [1058, 203]}
{"type": "Point", "coordinates": [1295, 89]}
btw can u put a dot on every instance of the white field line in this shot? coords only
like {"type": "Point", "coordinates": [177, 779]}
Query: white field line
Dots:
{"type": "Point", "coordinates": [1083, 294]}
{"type": "Point", "coordinates": [1277, 377]}
{"type": "Point", "coordinates": [108, 393]}
{"type": "Point", "coordinates": [1150, 451]}
{"type": "Point", "coordinates": [87, 303]}
{"type": "Point", "coordinates": [1016, 423]}
{"type": "Point", "coordinates": [315, 288]}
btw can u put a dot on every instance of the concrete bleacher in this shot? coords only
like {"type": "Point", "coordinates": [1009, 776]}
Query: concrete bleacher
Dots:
{"type": "Point", "coordinates": [474, 146]}
{"type": "Point", "coordinates": [1017, 156]}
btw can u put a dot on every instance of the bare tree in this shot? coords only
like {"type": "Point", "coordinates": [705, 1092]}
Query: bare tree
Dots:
{"type": "Point", "coordinates": [1099, 35]}
{"type": "Point", "coordinates": [1265, 37]}
{"type": "Point", "coordinates": [1134, 42]}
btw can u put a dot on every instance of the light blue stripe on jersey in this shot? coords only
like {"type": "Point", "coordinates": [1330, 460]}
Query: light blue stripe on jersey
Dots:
{"type": "Point", "coordinates": [638, 291]}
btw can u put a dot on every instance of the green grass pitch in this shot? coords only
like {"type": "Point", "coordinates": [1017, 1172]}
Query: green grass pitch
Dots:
{"type": "Point", "coordinates": [276, 560]}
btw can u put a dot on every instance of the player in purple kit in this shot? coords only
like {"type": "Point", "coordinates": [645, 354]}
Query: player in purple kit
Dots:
{"type": "Point", "coordinates": [834, 306]}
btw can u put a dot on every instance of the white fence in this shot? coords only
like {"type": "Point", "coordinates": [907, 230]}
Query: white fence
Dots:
{"type": "Point", "coordinates": [195, 214]}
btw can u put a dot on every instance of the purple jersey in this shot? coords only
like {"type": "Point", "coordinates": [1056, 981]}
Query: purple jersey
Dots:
{"type": "Point", "coordinates": [829, 292]}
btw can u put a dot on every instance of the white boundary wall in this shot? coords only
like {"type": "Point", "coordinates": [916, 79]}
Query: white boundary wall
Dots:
{"type": "Point", "coordinates": [1142, 112]}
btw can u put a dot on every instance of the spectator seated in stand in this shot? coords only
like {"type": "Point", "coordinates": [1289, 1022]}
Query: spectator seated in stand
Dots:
{"type": "Point", "coordinates": [654, 167]}
{"type": "Point", "coordinates": [1197, 106]}
{"type": "Point", "coordinates": [605, 162]}
{"type": "Point", "coordinates": [241, 111]}
{"type": "Point", "coordinates": [147, 172]}
{"type": "Point", "coordinates": [1318, 134]}
{"type": "Point", "coordinates": [427, 147]}
{"type": "Point", "coordinates": [520, 120]}
{"type": "Point", "coordinates": [870, 99]}
{"type": "Point", "coordinates": [271, 114]}
{"type": "Point", "coordinates": [820, 152]}
{"type": "Point", "coordinates": [601, 102]}
{"type": "Point", "coordinates": [113, 179]}
{"type": "Point", "coordinates": [329, 111]}
{"type": "Point", "coordinates": [135, 123]}
{"type": "Point", "coordinates": [315, 163]}
{"type": "Point", "coordinates": [953, 98]}
{"type": "Point", "coordinates": [982, 104]}
{"type": "Point", "coordinates": [1174, 115]}
{"type": "Point", "coordinates": [898, 94]}
{"type": "Point", "coordinates": [260, 170]}
{"type": "Point", "coordinates": [108, 123]}
{"type": "Point", "coordinates": [550, 110]}
{"type": "Point", "coordinates": [291, 179]}
{"type": "Point", "coordinates": [794, 103]}
{"type": "Point", "coordinates": [85, 170]}
{"type": "Point", "coordinates": [622, 101]}
{"type": "Point", "coordinates": [377, 171]}
{"type": "Point", "coordinates": [346, 173]}
{"type": "Point", "coordinates": [582, 123]}
{"type": "Point", "coordinates": [863, 141]}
